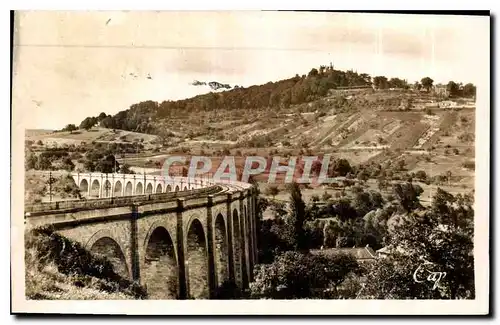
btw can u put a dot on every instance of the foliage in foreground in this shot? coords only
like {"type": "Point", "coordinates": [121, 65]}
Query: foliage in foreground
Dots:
{"type": "Point", "coordinates": [58, 268]}
{"type": "Point", "coordinates": [422, 245]}
{"type": "Point", "coordinates": [433, 244]}
{"type": "Point", "coordinates": [295, 275]}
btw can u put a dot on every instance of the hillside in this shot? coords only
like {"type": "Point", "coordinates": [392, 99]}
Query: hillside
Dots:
{"type": "Point", "coordinates": [96, 134]}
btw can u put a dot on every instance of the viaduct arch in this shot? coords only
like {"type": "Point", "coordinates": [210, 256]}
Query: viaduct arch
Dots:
{"type": "Point", "coordinates": [101, 185]}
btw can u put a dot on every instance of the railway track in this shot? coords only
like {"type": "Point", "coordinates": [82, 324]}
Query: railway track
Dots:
{"type": "Point", "coordinates": [218, 188]}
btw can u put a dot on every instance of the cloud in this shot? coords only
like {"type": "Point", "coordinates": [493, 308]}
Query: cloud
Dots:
{"type": "Point", "coordinates": [208, 61]}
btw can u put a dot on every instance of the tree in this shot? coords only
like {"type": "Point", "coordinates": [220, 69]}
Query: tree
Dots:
{"type": "Point", "coordinates": [66, 186]}
{"type": "Point", "coordinates": [376, 223]}
{"type": "Point", "coordinates": [339, 267]}
{"type": "Point", "coordinates": [273, 190]}
{"type": "Point", "coordinates": [107, 122]}
{"type": "Point", "coordinates": [469, 90]}
{"type": "Point", "coordinates": [380, 82]}
{"type": "Point", "coordinates": [408, 196]}
{"type": "Point", "coordinates": [87, 123]}
{"type": "Point", "coordinates": [401, 164]}
{"type": "Point", "coordinates": [419, 245]}
{"type": "Point", "coordinates": [312, 73]}
{"type": "Point", "coordinates": [330, 232]}
{"type": "Point", "coordinates": [427, 83]}
{"type": "Point", "coordinates": [108, 164]}
{"type": "Point", "coordinates": [362, 203]}
{"type": "Point", "coordinates": [366, 78]}
{"type": "Point", "coordinates": [31, 161]}
{"type": "Point", "coordinates": [455, 211]}
{"type": "Point", "coordinates": [452, 88]}
{"type": "Point", "coordinates": [421, 175]}
{"type": "Point", "coordinates": [89, 165]}
{"type": "Point", "coordinates": [396, 83]}
{"type": "Point", "coordinates": [340, 167]}
{"type": "Point", "coordinates": [101, 116]}
{"type": "Point", "coordinates": [298, 216]}
{"type": "Point", "coordinates": [70, 128]}
{"type": "Point", "coordinates": [44, 163]}
{"type": "Point", "coordinates": [294, 275]}
{"type": "Point", "coordinates": [67, 164]}
{"type": "Point", "coordinates": [343, 209]}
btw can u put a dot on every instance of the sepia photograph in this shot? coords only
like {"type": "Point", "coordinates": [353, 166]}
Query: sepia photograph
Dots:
{"type": "Point", "coordinates": [334, 161]}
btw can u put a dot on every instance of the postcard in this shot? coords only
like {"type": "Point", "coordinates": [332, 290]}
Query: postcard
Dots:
{"type": "Point", "coordinates": [246, 162]}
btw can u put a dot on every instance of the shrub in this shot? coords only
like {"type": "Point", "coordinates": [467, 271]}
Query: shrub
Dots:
{"type": "Point", "coordinates": [469, 165]}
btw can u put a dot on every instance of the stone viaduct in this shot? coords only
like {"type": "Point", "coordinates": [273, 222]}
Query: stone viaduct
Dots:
{"type": "Point", "coordinates": [100, 185]}
{"type": "Point", "coordinates": [182, 240]}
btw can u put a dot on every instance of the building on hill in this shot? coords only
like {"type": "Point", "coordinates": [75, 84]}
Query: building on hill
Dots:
{"type": "Point", "coordinates": [448, 104]}
{"type": "Point", "coordinates": [389, 250]}
{"type": "Point", "coordinates": [361, 254]}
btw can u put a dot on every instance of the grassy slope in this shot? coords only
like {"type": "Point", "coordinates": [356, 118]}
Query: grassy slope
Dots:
{"type": "Point", "coordinates": [94, 134]}
{"type": "Point", "coordinates": [58, 268]}
{"type": "Point", "coordinates": [36, 187]}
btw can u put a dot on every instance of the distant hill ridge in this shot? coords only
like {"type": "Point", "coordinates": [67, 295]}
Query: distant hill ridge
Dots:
{"type": "Point", "coordinates": [146, 116]}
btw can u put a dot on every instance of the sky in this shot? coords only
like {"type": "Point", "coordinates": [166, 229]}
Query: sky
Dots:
{"type": "Point", "coordinates": [70, 65]}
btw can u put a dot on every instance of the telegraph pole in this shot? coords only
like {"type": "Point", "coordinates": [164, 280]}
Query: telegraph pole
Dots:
{"type": "Point", "coordinates": [51, 180]}
{"type": "Point", "coordinates": [50, 187]}
{"type": "Point", "coordinates": [106, 187]}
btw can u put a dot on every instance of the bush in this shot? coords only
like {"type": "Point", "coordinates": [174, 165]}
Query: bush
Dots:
{"type": "Point", "coordinates": [469, 165]}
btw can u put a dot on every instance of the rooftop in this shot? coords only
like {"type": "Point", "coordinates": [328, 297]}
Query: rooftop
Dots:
{"type": "Point", "coordinates": [360, 253]}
